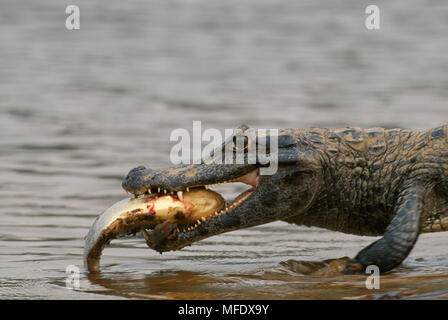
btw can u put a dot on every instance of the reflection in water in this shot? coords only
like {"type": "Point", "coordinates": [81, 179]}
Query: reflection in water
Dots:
{"type": "Point", "coordinates": [282, 282]}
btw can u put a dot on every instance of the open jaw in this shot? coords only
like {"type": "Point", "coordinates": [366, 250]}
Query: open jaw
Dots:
{"type": "Point", "coordinates": [185, 215]}
{"type": "Point", "coordinates": [194, 221]}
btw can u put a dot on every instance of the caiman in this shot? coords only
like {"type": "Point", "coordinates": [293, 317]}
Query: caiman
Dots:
{"type": "Point", "coordinates": [369, 182]}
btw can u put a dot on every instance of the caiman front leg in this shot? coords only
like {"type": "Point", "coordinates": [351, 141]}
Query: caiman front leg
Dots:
{"type": "Point", "coordinates": [399, 237]}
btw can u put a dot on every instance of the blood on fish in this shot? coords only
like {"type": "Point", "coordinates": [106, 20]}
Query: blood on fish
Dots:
{"type": "Point", "coordinates": [150, 207]}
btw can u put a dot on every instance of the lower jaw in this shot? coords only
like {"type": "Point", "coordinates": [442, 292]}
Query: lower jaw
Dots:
{"type": "Point", "coordinates": [229, 206]}
{"type": "Point", "coordinates": [242, 196]}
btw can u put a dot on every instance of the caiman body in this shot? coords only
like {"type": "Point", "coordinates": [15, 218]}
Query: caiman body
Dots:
{"type": "Point", "coordinates": [388, 182]}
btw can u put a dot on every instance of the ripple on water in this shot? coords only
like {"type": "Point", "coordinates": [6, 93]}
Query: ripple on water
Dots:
{"type": "Point", "coordinates": [73, 122]}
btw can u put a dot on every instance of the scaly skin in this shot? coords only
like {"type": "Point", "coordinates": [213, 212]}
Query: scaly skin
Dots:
{"type": "Point", "coordinates": [373, 182]}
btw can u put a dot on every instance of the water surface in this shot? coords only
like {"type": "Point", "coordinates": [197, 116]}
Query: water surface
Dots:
{"type": "Point", "coordinates": [78, 109]}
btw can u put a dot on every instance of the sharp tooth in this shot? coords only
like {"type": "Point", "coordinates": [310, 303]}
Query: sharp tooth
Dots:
{"type": "Point", "coordinates": [206, 187]}
{"type": "Point", "coordinates": [180, 195]}
{"type": "Point", "coordinates": [188, 189]}
{"type": "Point", "coordinates": [177, 230]}
{"type": "Point", "coordinates": [149, 191]}
{"type": "Point", "coordinates": [158, 189]}
{"type": "Point", "coordinates": [164, 191]}
{"type": "Point", "coordinates": [199, 222]}
{"type": "Point", "coordinates": [203, 219]}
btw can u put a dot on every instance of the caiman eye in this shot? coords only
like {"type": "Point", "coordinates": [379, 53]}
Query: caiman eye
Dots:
{"type": "Point", "coordinates": [237, 144]}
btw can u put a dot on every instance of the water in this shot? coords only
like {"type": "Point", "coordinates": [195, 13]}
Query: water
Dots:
{"type": "Point", "coordinates": [78, 109]}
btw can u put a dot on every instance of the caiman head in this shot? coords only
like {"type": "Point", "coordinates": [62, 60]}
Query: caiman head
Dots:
{"type": "Point", "coordinates": [288, 192]}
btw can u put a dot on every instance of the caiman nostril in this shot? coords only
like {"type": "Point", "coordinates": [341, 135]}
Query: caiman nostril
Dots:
{"type": "Point", "coordinates": [134, 171]}
{"type": "Point", "coordinates": [131, 177]}
{"type": "Point", "coordinates": [138, 169]}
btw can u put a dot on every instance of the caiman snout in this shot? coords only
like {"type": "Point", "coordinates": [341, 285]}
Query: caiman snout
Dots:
{"type": "Point", "coordinates": [134, 171]}
{"type": "Point", "coordinates": [135, 176]}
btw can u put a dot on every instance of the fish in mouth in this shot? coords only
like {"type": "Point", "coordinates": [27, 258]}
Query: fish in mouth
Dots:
{"type": "Point", "coordinates": [207, 205]}
{"type": "Point", "coordinates": [160, 214]}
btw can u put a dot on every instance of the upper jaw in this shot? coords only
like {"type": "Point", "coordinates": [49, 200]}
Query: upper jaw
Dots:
{"type": "Point", "coordinates": [142, 181]}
